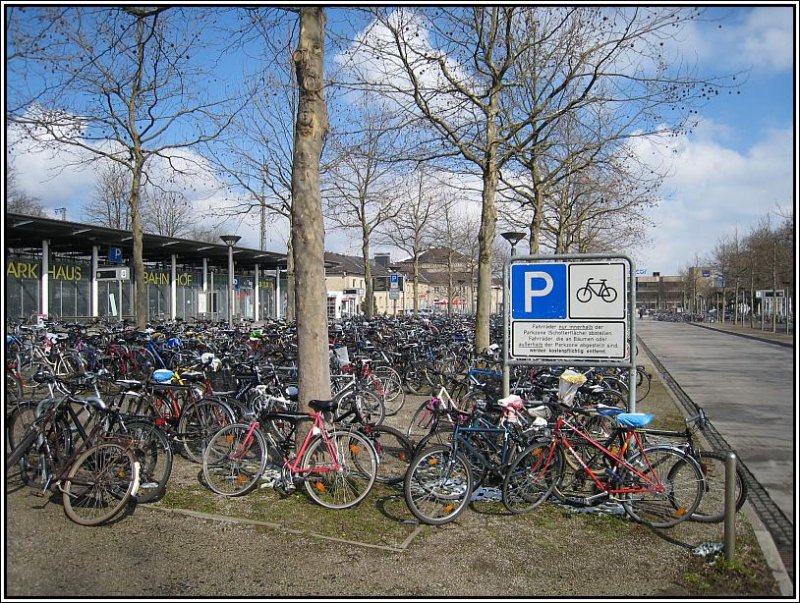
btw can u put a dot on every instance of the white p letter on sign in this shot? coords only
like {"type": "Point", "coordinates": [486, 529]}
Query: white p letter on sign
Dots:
{"type": "Point", "coordinates": [530, 292]}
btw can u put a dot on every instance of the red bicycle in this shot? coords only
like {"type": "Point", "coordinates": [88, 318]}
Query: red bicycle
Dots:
{"type": "Point", "coordinates": [336, 467]}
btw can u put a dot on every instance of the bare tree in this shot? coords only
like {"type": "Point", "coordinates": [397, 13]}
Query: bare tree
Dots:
{"type": "Point", "coordinates": [361, 193]}
{"type": "Point", "coordinates": [121, 85]}
{"type": "Point", "coordinates": [411, 228]}
{"type": "Point", "coordinates": [18, 201]}
{"type": "Point", "coordinates": [110, 205]}
{"type": "Point", "coordinates": [255, 153]}
{"type": "Point", "coordinates": [596, 78]}
{"type": "Point", "coordinates": [169, 213]}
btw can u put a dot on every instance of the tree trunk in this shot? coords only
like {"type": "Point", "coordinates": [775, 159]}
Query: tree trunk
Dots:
{"type": "Point", "coordinates": [369, 309]}
{"type": "Point", "coordinates": [308, 232]}
{"type": "Point", "coordinates": [137, 231]}
{"type": "Point", "coordinates": [485, 240]}
{"type": "Point", "coordinates": [416, 284]}
{"type": "Point", "coordinates": [535, 236]}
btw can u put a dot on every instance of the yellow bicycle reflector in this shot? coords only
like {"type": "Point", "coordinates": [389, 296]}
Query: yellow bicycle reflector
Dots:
{"type": "Point", "coordinates": [242, 479]}
{"type": "Point", "coordinates": [449, 508]}
{"type": "Point", "coordinates": [433, 461]}
{"type": "Point", "coordinates": [680, 511]}
{"type": "Point", "coordinates": [228, 438]}
{"type": "Point", "coordinates": [355, 448]}
{"type": "Point", "coordinates": [402, 456]}
{"type": "Point", "coordinates": [320, 487]}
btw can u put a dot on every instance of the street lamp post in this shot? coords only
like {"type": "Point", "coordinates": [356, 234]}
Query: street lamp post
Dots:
{"type": "Point", "coordinates": [230, 241]}
{"type": "Point", "coordinates": [513, 238]}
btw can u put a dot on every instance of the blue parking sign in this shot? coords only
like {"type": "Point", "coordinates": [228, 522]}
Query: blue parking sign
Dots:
{"type": "Point", "coordinates": [539, 291]}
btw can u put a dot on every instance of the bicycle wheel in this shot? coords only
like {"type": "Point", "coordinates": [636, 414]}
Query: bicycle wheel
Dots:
{"type": "Point", "coordinates": [532, 476]}
{"type": "Point", "coordinates": [99, 484]}
{"type": "Point", "coordinates": [370, 407]}
{"type": "Point", "coordinates": [394, 396]}
{"type": "Point", "coordinates": [574, 484]}
{"type": "Point", "coordinates": [584, 294]}
{"type": "Point", "coordinates": [643, 381]}
{"type": "Point", "coordinates": [232, 462]}
{"type": "Point", "coordinates": [438, 485]}
{"type": "Point", "coordinates": [712, 506]}
{"type": "Point", "coordinates": [199, 422]}
{"type": "Point", "coordinates": [153, 451]}
{"type": "Point", "coordinates": [394, 452]}
{"type": "Point", "coordinates": [417, 382]}
{"type": "Point", "coordinates": [18, 422]}
{"type": "Point", "coordinates": [347, 485]}
{"type": "Point", "coordinates": [672, 486]}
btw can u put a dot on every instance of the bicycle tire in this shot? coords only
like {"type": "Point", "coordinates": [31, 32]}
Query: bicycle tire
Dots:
{"type": "Point", "coordinates": [424, 421]}
{"type": "Point", "coordinates": [643, 382]}
{"type": "Point", "coordinates": [680, 475]}
{"type": "Point", "coordinates": [21, 449]}
{"type": "Point", "coordinates": [199, 422]}
{"type": "Point", "coordinates": [712, 506]}
{"type": "Point", "coordinates": [344, 487]}
{"type": "Point", "coordinates": [574, 484]}
{"type": "Point", "coordinates": [583, 295]}
{"type": "Point", "coordinates": [394, 395]}
{"type": "Point", "coordinates": [228, 468]}
{"type": "Point", "coordinates": [438, 485]}
{"type": "Point", "coordinates": [154, 453]}
{"type": "Point", "coordinates": [99, 484]}
{"type": "Point", "coordinates": [394, 452]}
{"type": "Point", "coordinates": [19, 421]}
{"type": "Point", "coordinates": [369, 406]}
{"type": "Point", "coordinates": [532, 477]}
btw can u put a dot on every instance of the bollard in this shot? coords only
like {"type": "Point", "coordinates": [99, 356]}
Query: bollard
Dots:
{"type": "Point", "coordinates": [730, 506]}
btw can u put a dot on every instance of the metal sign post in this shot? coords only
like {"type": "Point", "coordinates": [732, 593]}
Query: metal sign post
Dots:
{"type": "Point", "coordinates": [574, 310]}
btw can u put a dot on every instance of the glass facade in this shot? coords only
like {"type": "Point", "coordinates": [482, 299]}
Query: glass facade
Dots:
{"type": "Point", "coordinates": [70, 293]}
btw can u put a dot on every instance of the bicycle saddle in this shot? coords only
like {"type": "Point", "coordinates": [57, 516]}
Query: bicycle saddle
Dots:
{"type": "Point", "coordinates": [633, 419]}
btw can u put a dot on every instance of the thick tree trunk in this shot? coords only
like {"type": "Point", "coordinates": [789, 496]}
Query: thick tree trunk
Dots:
{"type": "Point", "coordinates": [308, 232]}
{"type": "Point", "coordinates": [485, 240]}
{"type": "Point", "coordinates": [137, 231]}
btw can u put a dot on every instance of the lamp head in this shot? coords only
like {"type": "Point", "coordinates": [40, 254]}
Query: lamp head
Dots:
{"type": "Point", "coordinates": [513, 237]}
{"type": "Point", "coordinates": [230, 240]}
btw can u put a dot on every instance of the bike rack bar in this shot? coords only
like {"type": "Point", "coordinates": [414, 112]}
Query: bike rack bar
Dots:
{"type": "Point", "coordinates": [729, 533]}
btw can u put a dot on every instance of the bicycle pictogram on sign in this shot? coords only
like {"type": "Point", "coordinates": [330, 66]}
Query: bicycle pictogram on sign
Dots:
{"type": "Point", "coordinates": [596, 287]}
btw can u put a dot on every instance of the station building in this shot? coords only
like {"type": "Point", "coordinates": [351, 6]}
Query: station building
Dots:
{"type": "Point", "coordinates": [78, 271]}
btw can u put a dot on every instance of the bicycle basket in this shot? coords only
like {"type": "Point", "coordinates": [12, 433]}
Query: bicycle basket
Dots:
{"type": "Point", "coordinates": [568, 385]}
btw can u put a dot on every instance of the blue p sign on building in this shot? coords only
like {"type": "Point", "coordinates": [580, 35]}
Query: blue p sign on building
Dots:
{"type": "Point", "coordinates": [539, 291]}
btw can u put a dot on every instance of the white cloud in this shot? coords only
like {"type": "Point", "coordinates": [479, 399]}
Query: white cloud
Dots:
{"type": "Point", "coordinates": [758, 38]}
{"type": "Point", "coordinates": [712, 191]}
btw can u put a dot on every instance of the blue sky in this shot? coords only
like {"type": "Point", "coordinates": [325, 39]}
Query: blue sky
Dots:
{"type": "Point", "coordinates": [737, 166]}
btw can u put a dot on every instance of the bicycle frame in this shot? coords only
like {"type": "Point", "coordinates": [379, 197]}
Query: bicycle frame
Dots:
{"type": "Point", "coordinates": [621, 465]}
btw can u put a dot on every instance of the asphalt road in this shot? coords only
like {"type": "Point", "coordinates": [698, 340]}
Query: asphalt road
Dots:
{"type": "Point", "coordinates": [746, 388]}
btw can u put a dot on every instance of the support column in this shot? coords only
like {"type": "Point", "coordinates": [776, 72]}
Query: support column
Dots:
{"type": "Point", "coordinates": [173, 288]}
{"type": "Point", "coordinates": [278, 312]}
{"type": "Point", "coordinates": [205, 275]}
{"type": "Point", "coordinates": [44, 279]}
{"type": "Point", "coordinates": [95, 309]}
{"type": "Point", "coordinates": [255, 295]}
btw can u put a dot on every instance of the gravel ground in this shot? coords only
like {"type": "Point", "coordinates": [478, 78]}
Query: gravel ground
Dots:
{"type": "Point", "coordinates": [153, 553]}
{"type": "Point", "coordinates": [486, 553]}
